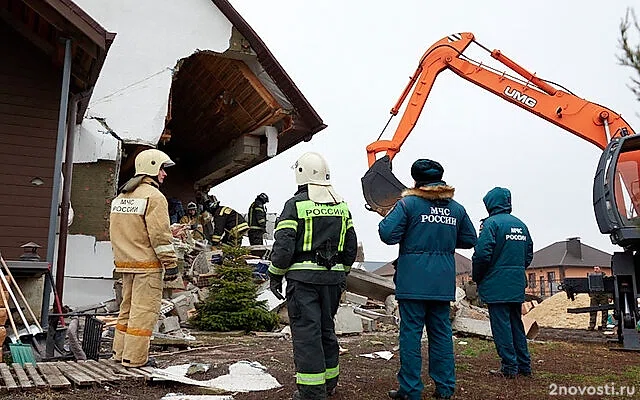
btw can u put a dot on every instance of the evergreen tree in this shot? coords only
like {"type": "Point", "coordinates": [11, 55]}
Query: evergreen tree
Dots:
{"type": "Point", "coordinates": [231, 304]}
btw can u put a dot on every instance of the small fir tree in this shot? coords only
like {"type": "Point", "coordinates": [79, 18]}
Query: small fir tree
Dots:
{"type": "Point", "coordinates": [231, 304]}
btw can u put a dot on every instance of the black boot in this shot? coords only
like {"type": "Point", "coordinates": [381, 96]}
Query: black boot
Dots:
{"type": "Point", "coordinates": [395, 394]}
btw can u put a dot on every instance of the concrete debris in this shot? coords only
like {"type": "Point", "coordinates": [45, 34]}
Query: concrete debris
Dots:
{"type": "Point", "coordinates": [371, 285]}
{"type": "Point", "coordinates": [243, 376]}
{"type": "Point", "coordinates": [355, 298]}
{"type": "Point", "coordinates": [169, 324]}
{"type": "Point", "coordinates": [472, 327]}
{"type": "Point", "coordinates": [346, 321]}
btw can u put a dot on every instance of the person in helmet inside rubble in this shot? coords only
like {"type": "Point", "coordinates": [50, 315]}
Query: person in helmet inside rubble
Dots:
{"type": "Point", "coordinates": [315, 246]}
{"type": "Point", "coordinates": [258, 219]}
{"type": "Point", "coordinates": [197, 221]}
{"type": "Point", "coordinates": [143, 253]}
{"type": "Point", "coordinates": [228, 225]}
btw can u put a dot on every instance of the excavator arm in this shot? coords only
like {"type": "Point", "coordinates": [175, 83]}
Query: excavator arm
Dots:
{"type": "Point", "coordinates": [590, 121]}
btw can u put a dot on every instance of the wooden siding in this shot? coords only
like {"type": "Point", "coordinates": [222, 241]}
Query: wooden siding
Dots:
{"type": "Point", "coordinates": [29, 102]}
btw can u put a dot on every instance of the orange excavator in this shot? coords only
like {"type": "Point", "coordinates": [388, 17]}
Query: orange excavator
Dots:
{"type": "Point", "coordinates": [616, 190]}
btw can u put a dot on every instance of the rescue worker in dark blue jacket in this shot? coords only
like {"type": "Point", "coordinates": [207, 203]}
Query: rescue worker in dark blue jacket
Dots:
{"type": "Point", "coordinates": [503, 252]}
{"type": "Point", "coordinates": [429, 225]}
{"type": "Point", "coordinates": [315, 246]}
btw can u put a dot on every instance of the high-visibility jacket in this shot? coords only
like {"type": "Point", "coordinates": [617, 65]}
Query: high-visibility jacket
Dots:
{"type": "Point", "coordinates": [228, 225]}
{"type": "Point", "coordinates": [140, 231]}
{"type": "Point", "coordinates": [306, 234]}
{"type": "Point", "coordinates": [257, 216]}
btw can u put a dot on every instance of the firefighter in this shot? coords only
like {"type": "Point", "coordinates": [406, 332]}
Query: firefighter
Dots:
{"type": "Point", "coordinates": [429, 225]}
{"type": "Point", "coordinates": [142, 249]}
{"type": "Point", "coordinates": [315, 246]}
{"type": "Point", "coordinates": [228, 225]}
{"type": "Point", "coordinates": [198, 222]}
{"type": "Point", "coordinates": [258, 219]}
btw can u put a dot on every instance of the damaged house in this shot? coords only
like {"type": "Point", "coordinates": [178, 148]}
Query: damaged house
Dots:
{"type": "Point", "coordinates": [191, 78]}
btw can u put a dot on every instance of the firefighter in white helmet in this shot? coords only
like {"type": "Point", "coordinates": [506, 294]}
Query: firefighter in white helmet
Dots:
{"type": "Point", "coordinates": [143, 252]}
{"type": "Point", "coordinates": [315, 246]}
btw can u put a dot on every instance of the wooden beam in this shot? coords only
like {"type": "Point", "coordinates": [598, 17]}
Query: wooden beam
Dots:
{"type": "Point", "coordinates": [67, 27]}
{"type": "Point", "coordinates": [23, 30]}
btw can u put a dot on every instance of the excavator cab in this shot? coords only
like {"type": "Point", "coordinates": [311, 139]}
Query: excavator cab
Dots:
{"type": "Point", "coordinates": [616, 192]}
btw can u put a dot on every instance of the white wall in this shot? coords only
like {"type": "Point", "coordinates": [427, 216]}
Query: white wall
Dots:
{"type": "Point", "coordinates": [132, 91]}
{"type": "Point", "coordinates": [131, 95]}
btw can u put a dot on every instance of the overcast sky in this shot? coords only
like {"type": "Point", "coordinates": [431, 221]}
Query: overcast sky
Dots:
{"type": "Point", "coordinates": [352, 59]}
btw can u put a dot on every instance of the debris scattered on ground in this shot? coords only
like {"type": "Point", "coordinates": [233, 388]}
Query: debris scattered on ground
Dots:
{"type": "Point", "coordinates": [178, 396]}
{"type": "Point", "coordinates": [387, 355]}
{"type": "Point", "coordinates": [243, 376]}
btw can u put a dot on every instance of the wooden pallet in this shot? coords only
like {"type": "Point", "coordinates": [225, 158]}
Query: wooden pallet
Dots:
{"type": "Point", "coordinates": [64, 374]}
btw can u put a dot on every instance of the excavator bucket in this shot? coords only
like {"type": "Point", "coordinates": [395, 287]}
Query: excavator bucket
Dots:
{"type": "Point", "coordinates": [380, 187]}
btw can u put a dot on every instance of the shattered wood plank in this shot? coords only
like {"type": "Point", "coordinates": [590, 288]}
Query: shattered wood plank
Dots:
{"type": "Point", "coordinates": [53, 376]}
{"type": "Point", "coordinates": [7, 377]}
{"type": "Point", "coordinates": [23, 379]}
{"type": "Point", "coordinates": [35, 377]}
{"type": "Point", "coordinates": [368, 284]}
{"type": "Point", "coordinates": [147, 375]}
{"type": "Point", "coordinates": [148, 370]}
{"type": "Point", "coordinates": [88, 372]}
{"type": "Point", "coordinates": [121, 370]}
{"type": "Point", "coordinates": [77, 377]}
{"type": "Point", "coordinates": [108, 372]}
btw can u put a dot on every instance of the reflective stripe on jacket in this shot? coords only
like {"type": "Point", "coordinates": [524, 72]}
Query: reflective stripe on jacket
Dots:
{"type": "Point", "coordinates": [257, 217]}
{"type": "Point", "coordinates": [140, 231]}
{"type": "Point", "coordinates": [228, 224]}
{"type": "Point", "coordinates": [305, 228]}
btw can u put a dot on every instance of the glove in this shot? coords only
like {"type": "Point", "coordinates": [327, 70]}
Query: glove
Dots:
{"type": "Point", "coordinates": [170, 274]}
{"type": "Point", "coordinates": [275, 285]}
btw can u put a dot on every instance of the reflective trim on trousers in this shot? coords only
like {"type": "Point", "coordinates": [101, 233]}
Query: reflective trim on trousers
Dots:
{"type": "Point", "coordinates": [310, 379]}
{"type": "Point", "coordinates": [331, 373]}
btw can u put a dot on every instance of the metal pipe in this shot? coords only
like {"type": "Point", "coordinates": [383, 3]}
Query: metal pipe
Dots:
{"type": "Point", "coordinates": [57, 172]}
{"type": "Point", "coordinates": [66, 197]}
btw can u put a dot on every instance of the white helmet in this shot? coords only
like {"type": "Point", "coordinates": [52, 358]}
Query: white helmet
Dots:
{"type": "Point", "coordinates": [311, 169]}
{"type": "Point", "coordinates": [149, 162]}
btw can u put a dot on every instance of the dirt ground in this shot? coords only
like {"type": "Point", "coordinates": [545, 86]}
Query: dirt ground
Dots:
{"type": "Point", "coordinates": [585, 360]}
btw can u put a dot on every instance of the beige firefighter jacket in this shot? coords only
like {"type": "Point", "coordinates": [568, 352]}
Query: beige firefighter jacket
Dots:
{"type": "Point", "coordinates": [140, 230]}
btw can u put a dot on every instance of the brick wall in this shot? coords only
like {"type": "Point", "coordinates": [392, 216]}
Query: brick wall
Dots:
{"type": "Point", "coordinates": [93, 187]}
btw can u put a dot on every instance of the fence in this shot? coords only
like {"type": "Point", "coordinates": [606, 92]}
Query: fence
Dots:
{"type": "Point", "coordinates": [543, 287]}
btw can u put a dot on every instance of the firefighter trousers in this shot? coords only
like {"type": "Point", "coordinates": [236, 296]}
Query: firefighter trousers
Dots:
{"type": "Point", "coordinates": [315, 345]}
{"type": "Point", "coordinates": [139, 310]}
{"type": "Point", "coordinates": [256, 237]}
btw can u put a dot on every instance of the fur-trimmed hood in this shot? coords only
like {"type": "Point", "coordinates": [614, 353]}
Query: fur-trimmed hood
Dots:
{"type": "Point", "coordinates": [431, 192]}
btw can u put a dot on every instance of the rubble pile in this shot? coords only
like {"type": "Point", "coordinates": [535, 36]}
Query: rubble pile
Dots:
{"type": "Point", "coordinates": [552, 312]}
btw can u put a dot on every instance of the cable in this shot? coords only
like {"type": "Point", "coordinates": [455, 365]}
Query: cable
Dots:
{"type": "Point", "coordinates": [108, 96]}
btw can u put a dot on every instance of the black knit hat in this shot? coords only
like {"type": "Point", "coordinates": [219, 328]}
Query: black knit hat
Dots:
{"type": "Point", "coordinates": [425, 171]}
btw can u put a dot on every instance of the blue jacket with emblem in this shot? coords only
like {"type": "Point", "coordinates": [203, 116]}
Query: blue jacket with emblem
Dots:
{"type": "Point", "coordinates": [503, 252]}
{"type": "Point", "coordinates": [429, 225]}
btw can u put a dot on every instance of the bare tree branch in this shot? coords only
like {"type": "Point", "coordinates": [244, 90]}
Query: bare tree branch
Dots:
{"type": "Point", "coordinates": [631, 53]}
